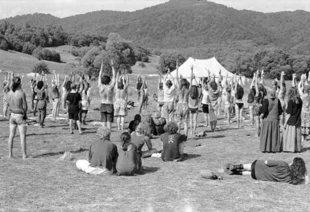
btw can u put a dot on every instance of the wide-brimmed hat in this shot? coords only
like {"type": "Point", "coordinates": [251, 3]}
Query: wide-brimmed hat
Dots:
{"type": "Point", "coordinates": [155, 115]}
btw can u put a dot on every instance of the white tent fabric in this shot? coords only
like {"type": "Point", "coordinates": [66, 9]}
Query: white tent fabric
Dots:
{"type": "Point", "coordinates": [201, 67]}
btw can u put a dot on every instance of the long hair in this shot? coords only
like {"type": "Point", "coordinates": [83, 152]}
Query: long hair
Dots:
{"type": "Point", "coordinates": [16, 83]}
{"type": "Point", "coordinates": [169, 83]}
{"type": "Point", "coordinates": [298, 171]}
{"type": "Point", "coordinates": [171, 127]}
{"type": "Point", "coordinates": [125, 140]}
{"type": "Point", "coordinates": [293, 95]}
{"type": "Point", "coordinates": [184, 86]}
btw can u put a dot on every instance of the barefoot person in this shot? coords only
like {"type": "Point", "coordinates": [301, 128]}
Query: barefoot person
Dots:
{"type": "Point", "coordinates": [74, 100]}
{"type": "Point", "coordinates": [169, 97]}
{"type": "Point", "coordinates": [121, 96]}
{"type": "Point", "coordinates": [272, 170]}
{"type": "Point", "coordinates": [6, 89]}
{"type": "Point", "coordinates": [55, 96]}
{"type": "Point", "coordinates": [106, 91]}
{"type": "Point", "coordinates": [193, 103]}
{"type": "Point", "coordinates": [182, 106]}
{"type": "Point", "coordinates": [143, 101]}
{"type": "Point", "coordinates": [18, 107]}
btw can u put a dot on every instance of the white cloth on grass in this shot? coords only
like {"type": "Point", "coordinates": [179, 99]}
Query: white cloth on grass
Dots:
{"type": "Point", "coordinates": [84, 166]}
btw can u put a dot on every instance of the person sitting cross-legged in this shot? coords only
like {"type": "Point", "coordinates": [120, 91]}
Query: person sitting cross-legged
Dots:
{"type": "Point", "coordinates": [173, 143]}
{"type": "Point", "coordinates": [128, 161]}
{"type": "Point", "coordinates": [102, 155]}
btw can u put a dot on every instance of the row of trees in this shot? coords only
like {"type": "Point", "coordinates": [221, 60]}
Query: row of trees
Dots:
{"type": "Point", "coordinates": [28, 38]}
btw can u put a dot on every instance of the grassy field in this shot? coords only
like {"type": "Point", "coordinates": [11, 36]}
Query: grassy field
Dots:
{"type": "Point", "coordinates": [48, 182]}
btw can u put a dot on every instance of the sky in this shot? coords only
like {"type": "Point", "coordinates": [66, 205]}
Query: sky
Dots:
{"type": "Point", "coordinates": [64, 8]}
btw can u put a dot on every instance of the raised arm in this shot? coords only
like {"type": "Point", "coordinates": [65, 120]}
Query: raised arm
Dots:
{"type": "Point", "coordinates": [113, 75]}
{"type": "Point", "coordinates": [100, 73]}
{"type": "Point", "coordinates": [282, 80]}
{"type": "Point", "coordinates": [65, 80]}
{"type": "Point", "coordinates": [177, 82]}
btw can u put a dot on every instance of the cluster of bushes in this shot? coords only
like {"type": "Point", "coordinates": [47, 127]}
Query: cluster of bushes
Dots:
{"type": "Point", "coordinates": [46, 54]}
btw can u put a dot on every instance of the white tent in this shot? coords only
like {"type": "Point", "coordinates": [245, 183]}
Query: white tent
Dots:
{"type": "Point", "coordinates": [201, 68]}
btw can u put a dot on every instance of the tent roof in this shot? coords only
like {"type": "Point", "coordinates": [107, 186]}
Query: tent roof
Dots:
{"type": "Point", "coordinates": [201, 67]}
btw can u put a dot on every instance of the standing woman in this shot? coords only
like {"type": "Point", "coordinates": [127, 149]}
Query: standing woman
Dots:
{"type": "Point", "coordinates": [169, 97]}
{"type": "Point", "coordinates": [304, 92]}
{"type": "Point", "coordinates": [74, 105]}
{"type": "Point", "coordinates": [204, 102]}
{"type": "Point", "coordinates": [143, 96]}
{"type": "Point", "coordinates": [6, 89]}
{"type": "Point", "coordinates": [214, 94]}
{"type": "Point", "coordinates": [42, 103]}
{"type": "Point", "coordinates": [270, 132]}
{"type": "Point", "coordinates": [193, 103]}
{"type": "Point", "coordinates": [239, 92]}
{"type": "Point", "coordinates": [55, 96]}
{"type": "Point", "coordinates": [160, 98]}
{"type": "Point", "coordinates": [251, 99]}
{"type": "Point", "coordinates": [292, 133]}
{"type": "Point", "coordinates": [121, 96]}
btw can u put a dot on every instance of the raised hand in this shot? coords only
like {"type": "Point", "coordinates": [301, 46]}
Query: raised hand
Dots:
{"type": "Point", "coordinates": [111, 62]}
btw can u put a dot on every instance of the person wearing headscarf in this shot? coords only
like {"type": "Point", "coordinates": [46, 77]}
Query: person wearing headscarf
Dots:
{"type": "Point", "coordinates": [270, 131]}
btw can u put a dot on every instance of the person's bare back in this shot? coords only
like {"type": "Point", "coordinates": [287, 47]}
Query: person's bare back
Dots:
{"type": "Point", "coordinates": [17, 101]}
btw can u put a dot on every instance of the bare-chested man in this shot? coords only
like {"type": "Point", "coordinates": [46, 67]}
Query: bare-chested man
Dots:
{"type": "Point", "coordinates": [182, 107]}
{"type": "Point", "coordinates": [106, 91]}
{"type": "Point", "coordinates": [121, 96]}
{"type": "Point", "coordinates": [18, 107]}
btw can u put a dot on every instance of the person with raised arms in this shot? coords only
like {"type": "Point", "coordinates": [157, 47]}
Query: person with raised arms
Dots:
{"type": "Point", "coordinates": [182, 107]}
{"type": "Point", "coordinates": [121, 96]}
{"type": "Point", "coordinates": [143, 101]}
{"type": "Point", "coordinates": [304, 92]}
{"type": "Point", "coordinates": [106, 91]}
{"type": "Point", "coordinates": [169, 97]}
{"type": "Point", "coordinates": [160, 97]}
{"type": "Point", "coordinates": [6, 88]}
{"type": "Point", "coordinates": [74, 106]}
{"type": "Point", "coordinates": [18, 107]}
{"type": "Point", "coordinates": [214, 94]}
{"type": "Point", "coordinates": [55, 95]}
{"type": "Point", "coordinates": [239, 92]}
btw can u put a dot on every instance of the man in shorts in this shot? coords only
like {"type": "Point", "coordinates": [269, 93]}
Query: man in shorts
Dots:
{"type": "Point", "coordinates": [18, 108]}
{"type": "Point", "coordinates": [106, 91]}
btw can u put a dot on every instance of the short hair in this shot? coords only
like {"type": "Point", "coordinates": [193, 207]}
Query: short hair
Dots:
{"type": "Point", "coordinates": [137, 117]}
{"type": "Point", "coordinates": [16, 81]}
{"type": "Point", "coordinates": [105, 80]}
{"type": "Point", "coordinates": [104, 133]}
{"type": "Point", "coordinates": [172, 127]}
{"type": "Point", "coordinates": [40, 84]}
{"type": "Point", "coordinates": [120, 85]}
{"type": "Point", "coordinates": [184, 83]}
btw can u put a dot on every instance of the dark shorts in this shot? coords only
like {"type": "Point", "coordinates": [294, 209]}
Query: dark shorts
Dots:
{"type": "Point", "coordinates": [253, 170]}
{"type": "Point", "coordinates": [84, 111]}
{"type": "Point", "coordinates": [205, 108]}
{"type": "Point", "coordinates": [240, 105]}
{"type": "Point", "coordinates": [107, 112]}
{"type": "Point", "coordinates": [74, 116]}
{"type": "Point", "coordinates": [193, 110]}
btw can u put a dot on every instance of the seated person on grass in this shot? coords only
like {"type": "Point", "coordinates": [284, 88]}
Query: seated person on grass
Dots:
{"type": "Point", "coordinates": [159, 123]}
{"type": "Point", "coordinates": [173, 143]}
{"type": "Point", "coordinates": [139, 138]}
{"type": "Point", "coordinates": [271, 170]}
{"type": "Point", "coordinates": [102, 155]}
{"type": "Point", "coordinates": [134, 123]}
{"type": "Point", "coordinates": [128, 161]}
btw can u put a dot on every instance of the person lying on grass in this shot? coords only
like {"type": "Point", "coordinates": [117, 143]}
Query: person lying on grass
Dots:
{"type": "Point", "coordinates": [271, 170]}
{"type": "Point", "coordinates": [173, 143]}
{"type": "Point", "coordinates": [128, 161]}
{"type": "Point", "coordinates": [102, 155]}
{"type": "Point", "coordinates": [139, 138]}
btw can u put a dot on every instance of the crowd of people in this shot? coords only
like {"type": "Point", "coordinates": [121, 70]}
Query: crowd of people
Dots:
{"type": "Point", "coordinates": [282, 123]}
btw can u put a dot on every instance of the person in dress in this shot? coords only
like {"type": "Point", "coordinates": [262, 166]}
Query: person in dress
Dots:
{"type": "Point", "coordinates": [121, 97]}
{"type": "Point", "coordinates": [270, 131]}
{"type": "Point", "coordinates": [55, 95]}
{"type": "Point", "coordinates": [128, 161]}
{"type": "Point", "coordinates": [292, 130]}
{"type": "Point", "coordinates": [74, 106]}
{"type": "Point", "coordinates": [173, 143]}
{"type": "Point", "coordinates": [304, 92]}
{"type": "Point", "coordinates": [17, 103]}
{"type": "Point", "coordinates": [272, 170]}
{"type": "Point", "coordinates": [214, 94]}
{"type": "Point", "coordinates": [227, 99]}
{"type": "Point", "coordinates": [251, 99]}
{"type": "Point", "coordinates": [102, 155]}
{"type": "Point", "coordinates": [42, 103]}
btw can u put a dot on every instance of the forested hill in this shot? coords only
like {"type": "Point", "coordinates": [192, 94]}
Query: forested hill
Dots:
{"type": "Point", "coordinates": [189, 23]}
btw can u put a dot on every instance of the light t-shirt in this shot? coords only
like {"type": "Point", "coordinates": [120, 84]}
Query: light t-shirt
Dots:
{"type": "Point", "coordinates": [169, 93]}
{"type": "Point", "coordinates": [204, 97]}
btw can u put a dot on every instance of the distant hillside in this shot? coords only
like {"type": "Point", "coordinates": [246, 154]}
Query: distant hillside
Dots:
{"type": "Point", "coordinates": [198, 28]}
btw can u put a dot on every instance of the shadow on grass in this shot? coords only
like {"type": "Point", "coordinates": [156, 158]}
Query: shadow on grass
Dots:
{"type": "Point", "coordinates": [39, 134]}
{"type": "Point", "coordinates": [148, 170]}
{"type": "Point", "coordinates": [305, 149]}
{"type": "Point", "coordinates": [50, 154]}
{"type": "Point", "coordinates": [190, 156]}
{"type": "Point", "coordinates": [206, 137]}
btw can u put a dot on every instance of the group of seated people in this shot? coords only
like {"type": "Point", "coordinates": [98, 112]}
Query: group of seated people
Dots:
{"type": "Point", "coordinates": [104, 158]}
